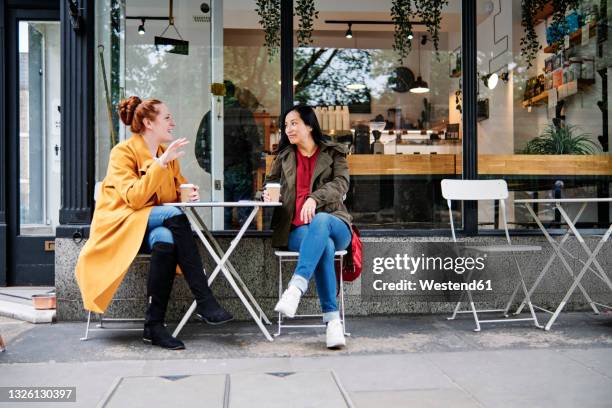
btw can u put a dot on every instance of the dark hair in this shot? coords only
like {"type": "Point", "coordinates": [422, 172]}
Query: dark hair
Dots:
{"type": "Point", "coordinates": [307, 114]}
{"type": "Point", "coordinates": [133, 111]}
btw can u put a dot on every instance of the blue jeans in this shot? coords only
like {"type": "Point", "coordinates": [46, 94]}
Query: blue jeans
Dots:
{"type": "Point", "coordinates": [156, 232]}
{"type": "Point", "coordinates": [317, 242]}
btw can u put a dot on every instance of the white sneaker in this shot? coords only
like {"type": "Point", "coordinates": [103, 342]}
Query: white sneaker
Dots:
{"type": "Point", "coordinates": [335, 334]}
{"type": "Point", "coordinates": [289, 301]}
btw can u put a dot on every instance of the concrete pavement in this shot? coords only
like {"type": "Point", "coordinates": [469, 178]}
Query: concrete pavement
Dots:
{"type": "Point", "coordinates": [400, 361]}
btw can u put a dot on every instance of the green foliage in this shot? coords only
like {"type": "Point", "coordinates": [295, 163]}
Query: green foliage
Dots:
{"type": "Point", "coordinates": [430, 12]}
{"type": "Point", "coordinates": [529, 42]}
{"type": "Point", "coordinates": [400, 14]}
{"type": "Point", "coordinates": [427, 11]}
{"type": "Point", "coordinates": [306, 12]}
{"type": "Point", "coordinates": [561, 140]}
{"type": "Point", "coordinates": [324, 74]}
{"type": "Point", "coordinates": [269, 19]}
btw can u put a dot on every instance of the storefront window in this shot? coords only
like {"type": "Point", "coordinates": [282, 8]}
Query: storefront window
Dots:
{"type": "Point", "coordinates": [211, 69]}
{"type": "Point", "coordinates": [402, 141]}
{"type": "Point", "coordinates": [544, 107]}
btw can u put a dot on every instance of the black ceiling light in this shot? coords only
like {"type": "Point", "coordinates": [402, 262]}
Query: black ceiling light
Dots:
{"type": "Point", "coordinates": [349, 32]}
{"type": "Point", "coordinates": [141, 27]}
{"type": "Point", "coordinates": [420, 86]}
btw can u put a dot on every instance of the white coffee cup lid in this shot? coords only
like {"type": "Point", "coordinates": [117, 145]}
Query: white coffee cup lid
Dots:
{"type": "Point", "coordinates": [273, 185]}
{"type": "Point", "coordinates": [187, 186]}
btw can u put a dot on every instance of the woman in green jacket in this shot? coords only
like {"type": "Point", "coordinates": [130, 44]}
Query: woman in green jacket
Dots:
{"type": "Point", "coordinates": [313, 220]}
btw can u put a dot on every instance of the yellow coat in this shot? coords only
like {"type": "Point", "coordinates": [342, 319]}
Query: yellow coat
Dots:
{"type": "Point", "coordinates": [134, 183]}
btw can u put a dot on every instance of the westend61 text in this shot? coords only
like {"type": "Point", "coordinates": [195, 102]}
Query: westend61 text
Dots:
{"type": "Point", "coordinates": [431, 285]}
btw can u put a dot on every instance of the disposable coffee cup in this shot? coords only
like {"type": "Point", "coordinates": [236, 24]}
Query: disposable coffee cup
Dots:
{"type": "Point", "coordinates": [273, 190]}
{"type": "Point", "coordinates": [186, 189]}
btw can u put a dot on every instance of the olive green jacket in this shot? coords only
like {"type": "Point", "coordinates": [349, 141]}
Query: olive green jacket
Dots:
{"type": "Point", "coordinates": [329, 185]}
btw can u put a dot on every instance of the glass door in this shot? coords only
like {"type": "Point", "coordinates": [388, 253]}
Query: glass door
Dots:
{"type": "Point", "coordinates": [35, 145]}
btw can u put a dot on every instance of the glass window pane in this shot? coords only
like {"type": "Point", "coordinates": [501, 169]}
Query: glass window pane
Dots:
{"type": "Point", "coordinates": [39, 127]}
{"type": "Point", "coordinates": [400, 116]}
{"type": "Point", "coordinates": [544, 108]}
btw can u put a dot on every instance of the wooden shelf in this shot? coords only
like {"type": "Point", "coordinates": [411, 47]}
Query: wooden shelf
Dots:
{"type": "Point", "coordinates": [575, 38]}
{"type": "Point", "coordinates": [536, 100]}
{"type": "Point", "coordinates": [543, 14]}
{"type": "Point", "coordinates": [542, 98]}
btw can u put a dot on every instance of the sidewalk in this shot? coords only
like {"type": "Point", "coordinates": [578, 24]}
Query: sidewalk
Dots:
{"type": "Point", "coordinates": [400, 361]}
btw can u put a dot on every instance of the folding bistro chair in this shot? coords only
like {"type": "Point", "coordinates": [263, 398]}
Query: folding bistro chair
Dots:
{"type": "Point", "coordinates": [140, 258]}
{"type": "Point", "coordinates": [290, 256]}
{"type": "Point", "coordinates": [479, 190]}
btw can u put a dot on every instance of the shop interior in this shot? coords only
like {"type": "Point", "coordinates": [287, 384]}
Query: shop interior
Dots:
{"type": "Point", "coordinates": [399, 115]}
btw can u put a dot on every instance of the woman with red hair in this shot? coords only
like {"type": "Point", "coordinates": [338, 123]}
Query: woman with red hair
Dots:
{"type": "Point", "coordinates": [142, 175]}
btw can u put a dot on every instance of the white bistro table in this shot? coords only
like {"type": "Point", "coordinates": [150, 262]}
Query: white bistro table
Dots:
{"type": "Point", "coordinates": [559, 251]}
{"type": "Point", "coordinates": [221, 258]}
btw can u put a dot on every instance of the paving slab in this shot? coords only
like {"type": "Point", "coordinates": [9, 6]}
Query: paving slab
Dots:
{"type": "Point", "coordinates": [168, 391]}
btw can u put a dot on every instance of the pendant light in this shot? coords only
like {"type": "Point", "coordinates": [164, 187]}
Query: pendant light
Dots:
{"type": "Point", "coordinates": [419, 85]}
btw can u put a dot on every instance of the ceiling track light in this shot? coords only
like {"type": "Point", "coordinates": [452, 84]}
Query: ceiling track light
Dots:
{"type": "Point", "coordinates": [349, 32]}
{"type": "Point", "coordinates": [141, 27]}
{"type": "Point", "coordinates": [490, 80]}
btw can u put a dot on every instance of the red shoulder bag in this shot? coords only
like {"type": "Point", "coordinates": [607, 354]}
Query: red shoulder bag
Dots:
{"type": "Point", "coordinates": [351, 266]}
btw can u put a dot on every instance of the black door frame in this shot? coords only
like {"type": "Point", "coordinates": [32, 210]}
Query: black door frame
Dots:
{"type": "Point", "coordinates": [19, 250]}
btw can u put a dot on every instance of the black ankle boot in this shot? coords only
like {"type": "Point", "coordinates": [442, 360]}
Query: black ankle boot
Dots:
{"type": "Point", "coordinates": [211, 312]}
{"type": "Point", "coordinates": [159, 285]}
{"type": "Point", "coordinates": [157, 335]}
{"type": "Point", "coordinates": [188, 258]}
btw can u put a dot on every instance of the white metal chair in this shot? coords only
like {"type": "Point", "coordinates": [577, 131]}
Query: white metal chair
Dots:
{"type": "Point", "coordinates": [290, 256]}
{"type": "Point", "coordinates": [140, 258]}
{"type": "Point", "coordinates": [478, 190]}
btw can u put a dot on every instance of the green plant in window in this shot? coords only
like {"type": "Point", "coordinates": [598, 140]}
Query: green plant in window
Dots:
{"type": "Point", "coordinates": [400, 14]}
{"type": "Point", "coordinates": [430, 12]}
{"type": "Point", "coordinates": [529, 8]}
{"type": "Point", "coordinates": [529, 42]}
{"type": "Point", "coordinates": [306, 13]}
{"type": "Point", "coordinates": [561, 140]}
{"type": "Point", "coordinates": [427, 11]}
{"type": "Point", "coordinates": [269, 19]}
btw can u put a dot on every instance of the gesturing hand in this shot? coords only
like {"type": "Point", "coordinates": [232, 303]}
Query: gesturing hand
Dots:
{"type": "Point", "coordinates": [173, 151]}
{"type": "Point", "coordinates": [308, 210]}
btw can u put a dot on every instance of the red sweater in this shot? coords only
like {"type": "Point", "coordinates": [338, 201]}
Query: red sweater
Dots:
{"type": "Point", "coordinates": [305, 170]}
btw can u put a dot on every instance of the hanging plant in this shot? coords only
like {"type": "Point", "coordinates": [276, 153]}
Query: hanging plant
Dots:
{"type": "Point", "coordinates": [306, 12]}
{"type": "Point", "coordinates": [401, 10]}
{"type": "Point", "coordinates": [430, 12]}
{"type": "Point", "coordinates": [427, 11]}
{"type": "Point", "coordinates": [269, 19]}
{"type": "Point", "coordinates": [529, 42]}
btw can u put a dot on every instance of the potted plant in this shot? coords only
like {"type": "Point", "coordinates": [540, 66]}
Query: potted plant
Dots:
{"type": "Point", "coordinates": [561, 140]}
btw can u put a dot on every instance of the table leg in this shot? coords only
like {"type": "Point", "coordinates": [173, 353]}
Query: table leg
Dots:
{"type": "Point", "coordinates": [222, 268]}
{"type": "Point", "coordinates": [602, 274]}
{"type": "Point", "coordinates": [557, 250]}
{"type": "Point", "coordinates": [552, 258]}
{"type": "Point", "coordinates": [578, 278]}
{"type": "Point", "coordinates": [219, 252]}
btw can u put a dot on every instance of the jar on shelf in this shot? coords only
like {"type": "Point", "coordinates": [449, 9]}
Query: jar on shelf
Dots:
{"type": "Point", "coordinates": [566, 73]}
{"type": "Point", "coordinates": [548, 81]}
{"type": "Point", "coordinates": [588, 68]}
{"type": "Point", "coordinates": [575, 68]}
